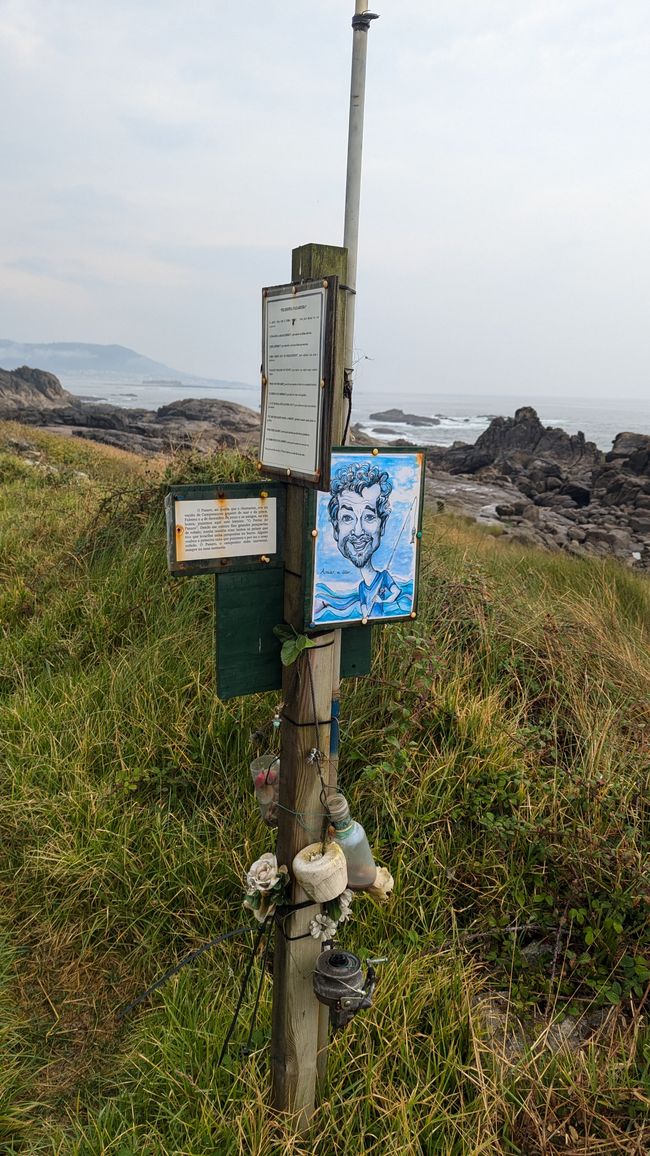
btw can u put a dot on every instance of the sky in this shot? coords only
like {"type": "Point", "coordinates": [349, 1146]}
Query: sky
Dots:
{"type": "Point", "coordinates": [162, 158]}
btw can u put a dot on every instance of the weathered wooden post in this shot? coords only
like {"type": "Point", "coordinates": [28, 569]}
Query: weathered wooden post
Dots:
{"type": "Point", "coordinates": [300, 1022]}
{"type": "Point", "coordinates": [261, 575]}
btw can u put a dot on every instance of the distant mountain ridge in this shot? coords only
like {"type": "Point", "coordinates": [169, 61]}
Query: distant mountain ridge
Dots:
{"type": "Point", "coordinates": [84, 358]}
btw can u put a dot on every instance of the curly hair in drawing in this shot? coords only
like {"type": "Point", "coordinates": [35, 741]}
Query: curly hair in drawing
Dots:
{"type": "Point", "coordinates": [358, 477]}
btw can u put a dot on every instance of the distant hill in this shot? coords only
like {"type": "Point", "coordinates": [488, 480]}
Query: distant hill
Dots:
{"type": "Point", "coordinates": [66, 358]}
{"type": "Point", "coordinates": [80, 357]}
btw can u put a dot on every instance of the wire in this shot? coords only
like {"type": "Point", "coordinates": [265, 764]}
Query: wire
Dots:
{"type": "Point", "coordinates": [248, 1046]}
{"type": "Point", "coordinates": [242, 992]}
{"type": "Point", "coordinates": [171, 971]}
{"type": "Point", "coordinates": [347, 420]}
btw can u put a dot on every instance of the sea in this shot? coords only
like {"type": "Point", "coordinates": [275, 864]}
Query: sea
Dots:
{"type": "Point", "coordinates": [461, 416]}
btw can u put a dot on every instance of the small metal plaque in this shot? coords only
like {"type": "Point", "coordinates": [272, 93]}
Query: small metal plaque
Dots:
{"type": "Point", "coordinates": [297, 349]}
{"type": "Point", "coordinates": [233, 526]}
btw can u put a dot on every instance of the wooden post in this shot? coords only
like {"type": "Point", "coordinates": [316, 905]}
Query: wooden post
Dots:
{"type": "Point", "coordinates": [300, 1023]}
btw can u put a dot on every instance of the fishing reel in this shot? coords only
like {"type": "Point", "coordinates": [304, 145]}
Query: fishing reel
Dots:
{"type": "Point", "coordinates": [339, 983]}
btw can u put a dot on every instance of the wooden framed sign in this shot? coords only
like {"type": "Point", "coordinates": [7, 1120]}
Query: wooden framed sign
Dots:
{"type": "Point", "coordinates": [232, 526]}
{"type": "Point", "coordinates": [297, 366]}
{"type": "Point", "coordinates": [366, 538]}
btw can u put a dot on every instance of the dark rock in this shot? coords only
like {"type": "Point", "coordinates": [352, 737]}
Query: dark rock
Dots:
{"type": "Point", "coordinates": [131, 442]}
{"type": "Point", "coordinates": [521, 444]}
{"type": "Point", "coordinates": [33, 397]}
{"type": "Point", "coordinates": [625, 445]}
{"type": "Point", "coordinates": [29, 387]}
{"type": "Point", "coordinates": [556, 501]}
{"type": "Point", "coordinates": [408, 418]}
{"type": "Point", "coordinates": [580, 493]}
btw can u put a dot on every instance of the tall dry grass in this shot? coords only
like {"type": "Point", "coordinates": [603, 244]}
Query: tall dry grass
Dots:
{"type": "Point", "coordinates": [498, 756]}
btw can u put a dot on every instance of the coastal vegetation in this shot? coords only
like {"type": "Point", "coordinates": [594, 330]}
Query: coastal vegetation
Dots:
{"type": "Point", "coordinates": [498, 756]}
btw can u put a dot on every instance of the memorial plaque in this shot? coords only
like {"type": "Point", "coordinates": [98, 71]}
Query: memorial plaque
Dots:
{"type": "Point", "coordinates": [224, 528]}
{"type": "Point", "coordinates": [297, 343]}
{"type": "Point", "coordinates": [210, 528]}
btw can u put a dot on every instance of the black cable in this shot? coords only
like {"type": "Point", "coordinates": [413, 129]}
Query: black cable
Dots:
{"type": "Point", "coordinates": [347, 393]}
{"type": "Point", "coordinates": [242, 992]}
{"type": "Point", "coordinates": [248, 1046]}
{"type": "Point", "coordinates": [283, 913]}
{"type": "Point", "coordinates": [189, 958]}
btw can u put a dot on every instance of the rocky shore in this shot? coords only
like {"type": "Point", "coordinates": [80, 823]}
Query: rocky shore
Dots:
{"type": "Point", "coordinates": [544, 486]}
{"type": "Point", "coordinates": [536, 483]}
{"type": "Point", "coordinates": [34, 397]}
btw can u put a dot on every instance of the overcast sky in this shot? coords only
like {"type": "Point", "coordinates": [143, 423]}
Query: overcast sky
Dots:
{"type": "Point", "coordinates": [161, 158]}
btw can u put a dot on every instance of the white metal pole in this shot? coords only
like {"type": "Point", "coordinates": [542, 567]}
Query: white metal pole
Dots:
{"type": "Point", "coordinates": [360, 25]}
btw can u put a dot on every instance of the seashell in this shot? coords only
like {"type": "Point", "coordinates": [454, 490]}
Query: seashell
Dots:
{"type": "Point", "coordinates": [382, 887]}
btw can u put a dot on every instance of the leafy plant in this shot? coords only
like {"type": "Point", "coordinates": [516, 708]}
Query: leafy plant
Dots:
{"type": "Point", "coordinates": [293, 643]}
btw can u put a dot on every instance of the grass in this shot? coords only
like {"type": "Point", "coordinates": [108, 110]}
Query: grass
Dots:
{"type": "Point", "coordinates": [498, 756]}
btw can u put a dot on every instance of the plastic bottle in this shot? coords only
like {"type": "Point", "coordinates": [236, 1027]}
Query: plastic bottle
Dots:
{"type": "Point", "coordinates": [353, 841]}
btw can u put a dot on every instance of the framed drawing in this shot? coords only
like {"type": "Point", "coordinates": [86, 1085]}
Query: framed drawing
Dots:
{"type": "Point", "coordinates": [366, 540]}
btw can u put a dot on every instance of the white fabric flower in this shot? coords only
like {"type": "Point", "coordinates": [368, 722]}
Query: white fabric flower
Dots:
{"type": "Point", "coordinates": [322, 927]}
{"type": "Point", "coordinates": [345, 903]}
{"type": "Point", "coordinates": [264, 873]}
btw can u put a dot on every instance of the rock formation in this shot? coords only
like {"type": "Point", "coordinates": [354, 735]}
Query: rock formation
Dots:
{"type": "Point", "coordinates": [34, 397]}
{"type": "Point", "coordinates": [558, 489]}
{"type": "Point", "coordinates": [400, 416]}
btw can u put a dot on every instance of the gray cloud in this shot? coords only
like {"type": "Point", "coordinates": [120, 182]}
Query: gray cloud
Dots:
{"type": "Point", "coordinates": [161, 159]}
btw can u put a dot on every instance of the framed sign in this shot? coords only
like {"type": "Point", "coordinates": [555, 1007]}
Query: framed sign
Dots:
{"type": "Point", "coordinates": [297, 362]}
{"type": "Point", "coordinates": [366, 540]}
{"type": "Point", "coordinates": [234, 526]}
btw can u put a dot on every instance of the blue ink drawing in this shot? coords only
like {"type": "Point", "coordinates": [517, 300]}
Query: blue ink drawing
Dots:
{"type": "Point", "coordinates": [366, 546]}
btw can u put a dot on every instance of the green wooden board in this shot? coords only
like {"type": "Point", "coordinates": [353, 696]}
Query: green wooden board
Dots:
{"type": "Point", "coordinates": [356, 651]}
{"type": "Point", "coordinates": [248, 606]}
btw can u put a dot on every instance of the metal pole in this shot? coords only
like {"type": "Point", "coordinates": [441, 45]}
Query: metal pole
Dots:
{"type": "Point", "coordinates": [360, 26]}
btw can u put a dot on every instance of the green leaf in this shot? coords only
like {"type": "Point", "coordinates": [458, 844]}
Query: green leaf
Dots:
{"type": "Point", "coordinates": [283, 632]}
{"type": "Point", "coordinates": [293, 647]}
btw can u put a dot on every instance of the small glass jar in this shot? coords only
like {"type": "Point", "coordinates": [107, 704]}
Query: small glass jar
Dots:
{"type": "Point", "coordinates": [265, 773]}
{"type": "Point", "coordinates": [353, 841]}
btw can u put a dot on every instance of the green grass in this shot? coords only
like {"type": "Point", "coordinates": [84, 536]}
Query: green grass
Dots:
{"type": "Point", "coordinates": [498, 756]}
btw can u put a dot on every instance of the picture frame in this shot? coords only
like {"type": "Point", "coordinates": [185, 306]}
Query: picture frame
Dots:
{"type": "Point", "coordinates": [365, 538]}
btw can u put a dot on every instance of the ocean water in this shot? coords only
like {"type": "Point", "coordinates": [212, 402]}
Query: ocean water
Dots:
{"type": "Point", "coordinates": [462, 416]}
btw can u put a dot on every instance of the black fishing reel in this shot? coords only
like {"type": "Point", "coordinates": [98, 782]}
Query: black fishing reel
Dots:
{"type": "Point", "coordinates": [339, 983]}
